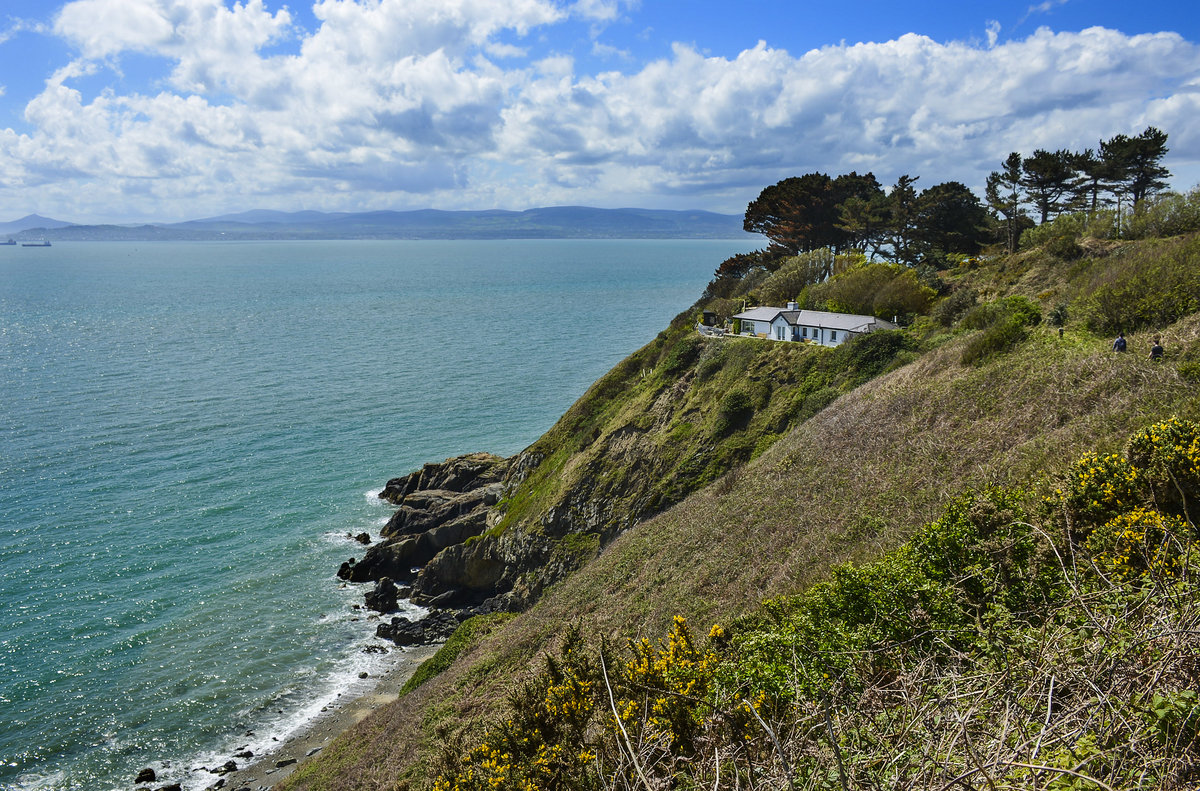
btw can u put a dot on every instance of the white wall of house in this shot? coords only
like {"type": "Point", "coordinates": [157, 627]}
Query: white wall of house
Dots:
{"type": "Point", "coordinates": [781, 330]}
{"type": "Point", "coordinates": [755, 327]}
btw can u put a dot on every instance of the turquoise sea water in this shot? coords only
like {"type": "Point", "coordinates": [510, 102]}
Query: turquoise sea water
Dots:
{"type": "Point", "coordinates": [189, 431]}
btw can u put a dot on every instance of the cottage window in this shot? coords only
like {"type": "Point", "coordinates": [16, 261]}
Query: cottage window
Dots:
{"type": "Point", "coordinates": [832, 336]}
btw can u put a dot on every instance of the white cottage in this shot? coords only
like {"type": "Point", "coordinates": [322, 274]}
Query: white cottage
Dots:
{"type": "Point", "coordinates": [813, 326]}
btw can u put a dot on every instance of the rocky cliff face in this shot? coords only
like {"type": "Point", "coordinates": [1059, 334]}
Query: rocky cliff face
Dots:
{"type": "Point", "coordinates": [484, 533]}
{"type": "Point", "coordinates": [439, 506]}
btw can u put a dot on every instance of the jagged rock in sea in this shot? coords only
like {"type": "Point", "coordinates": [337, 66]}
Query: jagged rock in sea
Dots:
{"type": "Point", "coordinates": [385, 597]}
{"type": "Point", "coordinates": [147, 775]}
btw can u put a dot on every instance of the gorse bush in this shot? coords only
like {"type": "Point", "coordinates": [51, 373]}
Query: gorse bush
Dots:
{"type": "Point", "coordinates": [991, 649]}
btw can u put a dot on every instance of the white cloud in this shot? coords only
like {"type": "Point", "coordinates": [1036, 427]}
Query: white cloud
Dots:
{"type": "Point", "coordinates": [910, 105]}
{"type": "Point", "coordinates": [392, 103]}
{"type": "Point", "coordinates": [993, 33]}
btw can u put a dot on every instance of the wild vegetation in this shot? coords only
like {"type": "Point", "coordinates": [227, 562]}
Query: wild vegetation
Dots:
{"type": "Point", "coordinates": [960, 554]}
{"type": "Point", "coordinates": [996, 647]}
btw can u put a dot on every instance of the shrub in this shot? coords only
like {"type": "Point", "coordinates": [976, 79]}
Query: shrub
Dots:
{"type": "Point", "coordinates": [1158, 286]}
{"type": "Point", "coordinates": [1140, 542]}
{"type": "Point", "coordinates": [1168, 456]}
{"type": "Point", "coordinates": [1057, 317]}
{"type": "Point", "coordinates": [795, 274]}
{"type": "Point", "coordinates": [681, 355]}
{"type": "Point", "coordinates": [1004, 324]}
{"type": "Point", "coordinates": [712, 359]}
{"type": "Point", "coordinates": [877, 289]}
{"type": "Point", "coordinates": [996, 339]}
{"type": "Point", "coordinates": [1070, 226]}
{"type": "Point", "coordinates": [734, 412]}
{"type": "Point", "coordinates": [1189, 371]}
{"type": "Point", "coordinates": [867, 356]}
{"type": "Point", "coordinates": [1064, 247]}
{"type": "Point", "coordinates": [1097, 488]}
{"type": "Point", "coordinates": [951, 309]}
{"type": "Point", "coordinates": [1169, 214]}
{"type": "Point", "coordinates": [1021, 309]}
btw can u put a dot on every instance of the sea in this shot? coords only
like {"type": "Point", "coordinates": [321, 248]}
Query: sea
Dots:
{"type": "Point", "coordinates": [190, 432]}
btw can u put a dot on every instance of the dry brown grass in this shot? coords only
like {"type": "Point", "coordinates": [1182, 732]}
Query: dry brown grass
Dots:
{"type": "Point", "coordinates": [852, 482]}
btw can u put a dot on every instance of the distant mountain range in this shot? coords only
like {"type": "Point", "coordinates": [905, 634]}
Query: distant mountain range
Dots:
{"type": "Point", "coordinates": [559, 222]}
{"type": "Point", "coordinates": [29, 222]}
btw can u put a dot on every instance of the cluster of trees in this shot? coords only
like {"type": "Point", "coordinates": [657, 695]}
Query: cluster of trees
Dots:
{"type": "Point", "coordinates": [853, 212]}
{"type": "Point", "coordinates": [1053, 182]}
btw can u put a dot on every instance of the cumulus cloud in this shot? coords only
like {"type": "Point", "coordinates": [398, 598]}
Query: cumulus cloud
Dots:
{"type": "Point", "coordinates": [911, 104]}
{"type": "Point", "coordinates": [391, 103]}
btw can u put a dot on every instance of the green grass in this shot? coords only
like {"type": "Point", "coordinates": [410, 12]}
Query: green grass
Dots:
{"type": "Point", "coordinates": [850, 455]}
{"type": "Point", "coordinates": [466, 635]}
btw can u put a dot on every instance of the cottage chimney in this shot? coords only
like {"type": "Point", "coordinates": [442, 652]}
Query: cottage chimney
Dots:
{"type": "Point", "coordinates": [793, 306]}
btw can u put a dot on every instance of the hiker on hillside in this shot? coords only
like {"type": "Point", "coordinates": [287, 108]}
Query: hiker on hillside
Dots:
{"type": "Point", "coordinates": [1156, 349]}
{"type": "Point", "coordinates": [1119, 343]}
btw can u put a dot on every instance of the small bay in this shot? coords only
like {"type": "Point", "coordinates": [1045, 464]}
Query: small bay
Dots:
{"type": "Point", "coordinates": [190, 431]}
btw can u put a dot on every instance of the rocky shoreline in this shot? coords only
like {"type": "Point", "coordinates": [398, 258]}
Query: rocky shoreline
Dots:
{"type": "Point", "coordinates": [439, 507]}
{"type": "Point", "coordinates": [425, 553]}
{"type": "Point", "coordinates": [258, 772]}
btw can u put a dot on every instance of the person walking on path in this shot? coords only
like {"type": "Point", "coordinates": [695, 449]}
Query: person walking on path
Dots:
{"type": "Point", "coordinates": [1119, 344]}
{"type": "Point", "coordinates": [1156, 349]}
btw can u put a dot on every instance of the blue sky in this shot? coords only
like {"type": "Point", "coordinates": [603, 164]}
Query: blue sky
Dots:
{"type": "Point", "coordinates": [136, 110]}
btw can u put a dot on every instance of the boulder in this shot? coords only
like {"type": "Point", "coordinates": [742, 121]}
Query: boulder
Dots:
{"type": "Point", "coordinates": [229, 767]}
{"type": "Point", "coordinates": [433, 628]}
{"type": "Point", "coordinates": [384, 597]}
{"type": "Point", "coordinates": [147, 775]}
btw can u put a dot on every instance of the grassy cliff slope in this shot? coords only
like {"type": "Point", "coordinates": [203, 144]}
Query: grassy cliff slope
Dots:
{"type": "Point", "coordinates": [846, 482]}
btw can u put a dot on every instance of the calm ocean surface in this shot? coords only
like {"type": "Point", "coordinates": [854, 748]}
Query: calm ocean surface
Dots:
{"type": "Point", "coordinates": [190, 430]}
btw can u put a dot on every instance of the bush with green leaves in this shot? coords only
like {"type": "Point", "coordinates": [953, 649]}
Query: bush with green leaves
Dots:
{"type": "Point", "coordinates": [1005, 323]}
{"type": "Point", "coordinates": [953, 306]}
{"type": "Point", "coordinates": [794, 274]}
{"type": "Point", "coordinates": [734, 411]}
{"type": "Point", "coordinates": [1071, 225]}
{"type": "Point", "coordinates": [873, 289]}
{"type": "Point", "coordinates": [1157, 286]}
{"type": "Point", "coordinates": [991, 646]}
{"type": "Point", "coordinates": [1064, 248]}
{"type": "Point", "coordinates": [1168, 214]}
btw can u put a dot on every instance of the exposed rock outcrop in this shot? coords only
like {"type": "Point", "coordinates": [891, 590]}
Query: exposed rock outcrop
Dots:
{"type": "Point", "coordinates": [385, 597]}
{"type": "Point", "coordinates": [435, 627]}
{"type": "Point", "coordinates": [440, 505]}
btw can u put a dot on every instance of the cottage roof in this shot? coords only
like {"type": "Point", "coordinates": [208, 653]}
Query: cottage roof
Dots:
{"type": "Point", "coordinates": [849, 322]}
{"type": "Point", "coordinates": [760, 314]}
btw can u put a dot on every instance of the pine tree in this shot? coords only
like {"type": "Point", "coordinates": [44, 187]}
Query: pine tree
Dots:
{"type": "Point", "coordinates": [1135, 163]}
{"type": "Point", "coordinates": [1004, 196]}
